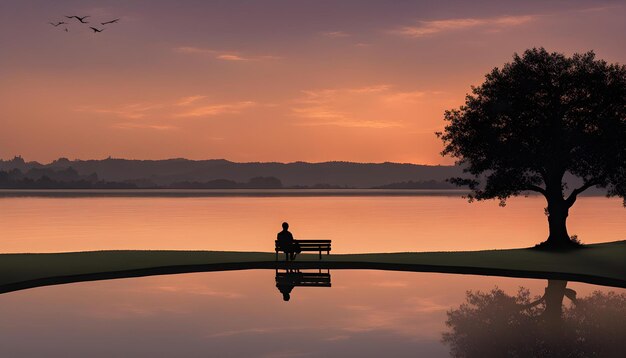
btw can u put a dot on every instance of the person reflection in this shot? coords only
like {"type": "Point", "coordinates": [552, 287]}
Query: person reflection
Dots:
{"type": "Point", "coordinates": [287, 279]}
{"type": "Point", "coordinates": [494, 324]}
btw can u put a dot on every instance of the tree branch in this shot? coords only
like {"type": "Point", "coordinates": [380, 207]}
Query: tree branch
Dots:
{"type": "Point", "coordinates": [572, 197]}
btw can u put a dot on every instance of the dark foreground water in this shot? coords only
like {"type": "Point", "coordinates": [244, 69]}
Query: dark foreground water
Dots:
{"type": "Point", "coordinates": [362, 314]}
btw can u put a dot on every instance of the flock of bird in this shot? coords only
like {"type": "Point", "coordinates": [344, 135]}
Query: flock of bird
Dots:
{"type": "Point", "coordinates": [81, 19]}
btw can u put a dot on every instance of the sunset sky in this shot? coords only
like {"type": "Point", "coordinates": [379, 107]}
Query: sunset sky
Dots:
{"type": "Point", "coordinates": [288, 80]}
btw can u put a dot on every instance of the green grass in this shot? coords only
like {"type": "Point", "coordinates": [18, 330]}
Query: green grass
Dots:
{"type": "Point", "coordinates": [596, 262]}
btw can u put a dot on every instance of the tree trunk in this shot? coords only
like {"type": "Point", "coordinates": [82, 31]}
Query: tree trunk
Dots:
{"type": "Point", "coordinates": [554, 333]}
{"type": "Point", "coordinates": [558, 210]}
{"type": "Point", "coordinates": [554, 301]}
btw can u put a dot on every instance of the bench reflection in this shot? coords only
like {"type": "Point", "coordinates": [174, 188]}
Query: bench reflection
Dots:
{"type": "Point", "coordinates": [287, 279]}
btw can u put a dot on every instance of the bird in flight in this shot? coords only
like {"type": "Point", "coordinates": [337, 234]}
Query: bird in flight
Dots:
{"type": "Point", "coordinates": [110, 22]}
{"type": "Point", "coordinates": [57, 24]}
{"type": "Point", "coordinates": [79, 18]}
{"type": "Point", "coordinates": [96, 30]}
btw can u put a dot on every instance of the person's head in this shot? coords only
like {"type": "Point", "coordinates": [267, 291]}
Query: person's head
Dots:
{"type": "Point", "coordinates": [286, 296]}
{"type": "Point", "coordinates": [285, 226]}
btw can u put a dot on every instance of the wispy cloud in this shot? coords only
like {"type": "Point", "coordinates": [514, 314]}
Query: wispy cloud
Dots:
{"type": "Point", "coordinates": [600, 8]}
{"type": "Point", "coordinates": [425, 305]}
{"type": "Point", "coordinates": [412, 317]}
{"type": "Point", "coordinates": [370, 89]}
{"type": "Point", "coordinates": [325, 95]}
{"type": "Point", "coordinates": [129, 310]}
{"type": "Point", "coordinates": [185, 101]}
{"type": "Point", "coordinates": [323, 117]}
{"type": "Point", "coordinates": [319, 112]}
{"type": "Point", "coordinates": [355, 107]}
{"type": "Point", "coordinates": [323, 108]}
{"type": "Point", "coordinates": [134, 125]}
{"type": "Point", "coordinates": [432, 27]}
{"type": "Point", "coordinates": [256, 331]}
{"type": "Point", "coordinates": [160, 116]}
{"type": "Point", "coordinates": [335, 34]}
{"type": "Point", "coordinates": [411, 96]}
{"type": "Point", "coordinates": [354, 124]}
{"type": "Point", "coordinates": [129, 111]}
{"type": "Point", "coordinates": [198, 290]}
{"type": "Point", "coordinates": [391, 284]}
{"type": "Point", "coordinates": [232, 58]}
{"type": "Point", "coordinates": [216, 109]}
{"type": "Point", "coordinates": [223, 55]}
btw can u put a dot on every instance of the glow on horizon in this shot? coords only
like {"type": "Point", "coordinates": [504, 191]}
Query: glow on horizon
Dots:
{"type": "Point", "coordinates": [278, 81]}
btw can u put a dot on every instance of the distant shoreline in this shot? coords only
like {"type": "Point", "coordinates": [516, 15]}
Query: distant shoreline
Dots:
{"type": "Point", "coordinates": [60, 193]}
{"type": "Point", "coordinates": [190, 193]}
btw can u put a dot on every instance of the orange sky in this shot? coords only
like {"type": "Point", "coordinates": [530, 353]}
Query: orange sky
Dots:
{"type": "Point", "coordinates": [363, 81]}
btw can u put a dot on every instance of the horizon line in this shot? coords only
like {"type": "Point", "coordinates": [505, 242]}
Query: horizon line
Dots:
{"type": "Point", "coordinates": [63, 159]}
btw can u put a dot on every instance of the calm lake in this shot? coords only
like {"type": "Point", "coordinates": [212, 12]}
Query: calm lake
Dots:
{"type": "Point", "coordinates": [356, 223]}
{"type": "Point", "coordinates": [363, 314]}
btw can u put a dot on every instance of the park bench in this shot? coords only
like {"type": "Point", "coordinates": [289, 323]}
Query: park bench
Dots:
{"type": "Point", "coordinates": [297, 278]}
{"type": "Point", "coordinates": [307, 245]}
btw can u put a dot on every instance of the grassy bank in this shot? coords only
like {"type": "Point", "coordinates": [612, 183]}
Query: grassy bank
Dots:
{"type": "Point", "coordinates": [598, 263]}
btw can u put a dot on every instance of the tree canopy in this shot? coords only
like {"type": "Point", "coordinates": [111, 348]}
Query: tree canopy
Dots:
{"type": "Point", "coordinates": [538, 117]}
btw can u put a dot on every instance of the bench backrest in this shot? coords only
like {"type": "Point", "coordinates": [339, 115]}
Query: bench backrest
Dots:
{"type": "Point", "coordinates": [311, 244]}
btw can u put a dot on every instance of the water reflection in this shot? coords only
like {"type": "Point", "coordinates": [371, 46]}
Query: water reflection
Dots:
{"type": "Point", "coordinates": [367, 313]}
{"type": "Point", "coordinates": [494, 324]}
{"type": "Point", "coordinates": [287, 279]}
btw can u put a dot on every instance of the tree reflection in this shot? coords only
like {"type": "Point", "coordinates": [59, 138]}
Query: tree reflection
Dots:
{"type": "Point", "coordinates": [494, 324]}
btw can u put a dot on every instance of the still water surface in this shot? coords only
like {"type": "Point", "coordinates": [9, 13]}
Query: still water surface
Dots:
{"type": "Point", "coordinates": [356, 224]}
{"type": "Point", "coordinates": [242, 314]}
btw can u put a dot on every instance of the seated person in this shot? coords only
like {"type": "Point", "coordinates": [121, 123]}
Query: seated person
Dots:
{"type": "Point", "coordinates": [286, 242]}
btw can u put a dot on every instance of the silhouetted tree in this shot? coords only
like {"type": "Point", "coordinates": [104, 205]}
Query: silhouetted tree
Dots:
{"type": "Point", "coordinates": [51, 179]}
{"type": "Point", "coordinates": [533, 120]}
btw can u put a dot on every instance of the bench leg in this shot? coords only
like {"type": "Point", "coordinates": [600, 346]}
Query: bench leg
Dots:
{"type": "Point", "coordinates": [320, 254]}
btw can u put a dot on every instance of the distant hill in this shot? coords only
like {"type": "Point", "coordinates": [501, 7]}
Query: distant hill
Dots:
{"type": "Point", "coordinates": [298, 174]}
{"type": "Point", "coordinates": [220, 173]}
